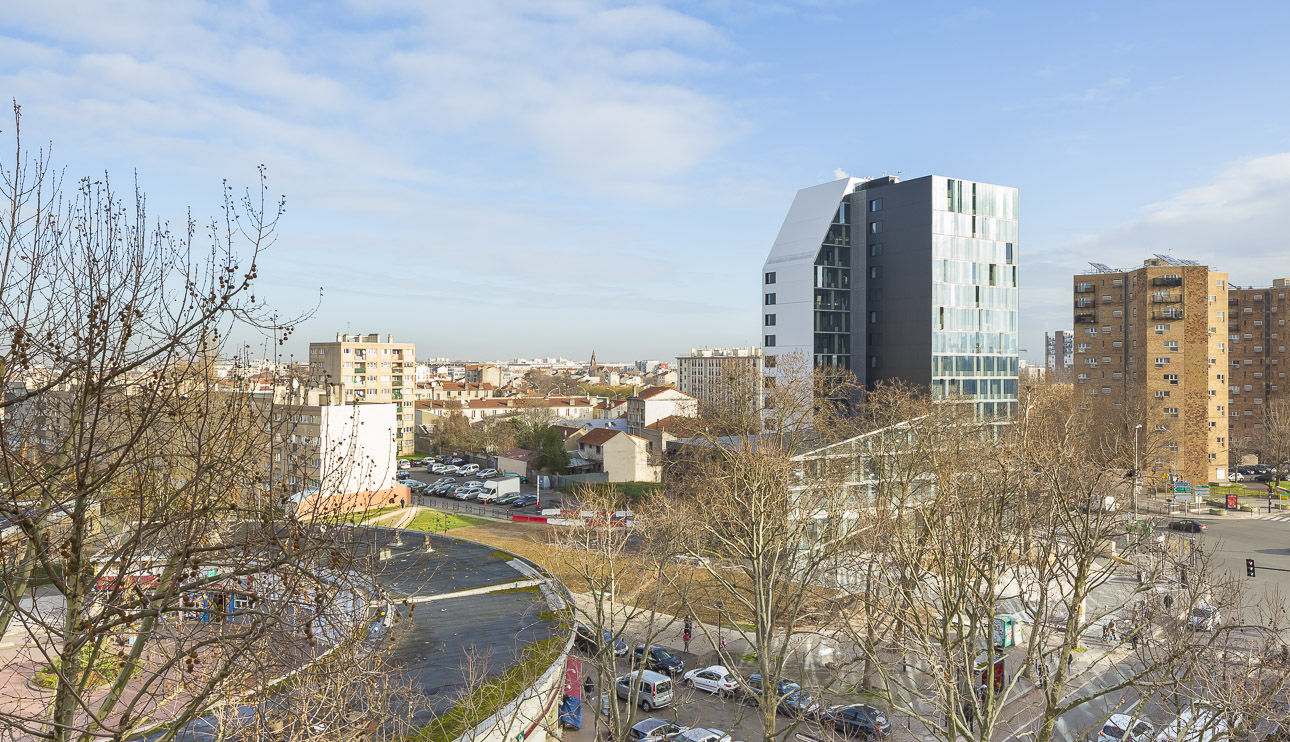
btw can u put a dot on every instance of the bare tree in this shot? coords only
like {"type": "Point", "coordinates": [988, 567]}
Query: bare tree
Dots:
{"type": "Point", "coordinates": [142, 567]}
{"type": "Point", "coordinates": [767, 524]}
{"type": "Point", "coordinates": [1273, 441]}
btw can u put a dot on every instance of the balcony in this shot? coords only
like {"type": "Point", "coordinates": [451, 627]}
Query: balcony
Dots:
{"type": "Point", "coordinates": [1166, 299]}
{"type": "Point", "coordinates": [1084, 303]}
{"type": "Point", "coordinates": [1084, 288]}
{"type": "Point", "coordinates": [1085, 318]}
{"type": "Point", "coordinates": [1167, 314]}
{"type": "Point", "coordinates": [1167, 281]}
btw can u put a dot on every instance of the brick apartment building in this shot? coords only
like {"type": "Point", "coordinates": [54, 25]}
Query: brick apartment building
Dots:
{"type": "Point", "coordinates": [1153, 335]}
{"type": "Point", "coordinates": [1256, 334]}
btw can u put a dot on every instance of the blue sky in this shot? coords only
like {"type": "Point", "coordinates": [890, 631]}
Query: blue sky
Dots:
{"type": "Point", "coordinates": [496, 179]}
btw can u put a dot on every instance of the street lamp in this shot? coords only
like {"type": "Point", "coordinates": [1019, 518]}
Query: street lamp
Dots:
{"type": "Point", "coordinates": [720, 637]}
{"type": "Point", "coordinates": [1136, 468]}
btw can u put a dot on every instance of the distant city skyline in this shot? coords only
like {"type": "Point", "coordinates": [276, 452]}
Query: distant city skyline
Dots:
{"type": "Point", "coordinates": [493, 180]}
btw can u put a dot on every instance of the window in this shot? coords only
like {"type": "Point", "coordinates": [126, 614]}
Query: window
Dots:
{"type": "Point", "coordinates": [770, 320]}
{"type": "Point", "coordinates": [875, 362]}
{"type": "Point", "coordinates": [770, 278]}
{"type": "Point", "coordinates": [770, 300]}
{"type": "Point", "coordinates": [770, 341]}
{"type": "Point", "coordinates": [1161, 393]}
{"type": "Point", "coordinates": [1117, 281]}
{"type": "Point", "coordinates": [1171, 411]}
{"type": "Point", "coordinates": [1171, 378]}
{"type": "Point", "coordinates": [1160, 329]}
{"type": "Point", "coordinates": [875, 227]}
{"type": "Point", "coordinates": [1172, 345]}
{"type": "Point", "coordinates": [875, 339]}
{"type": "Point", "coordinates": [875, 249]}
{"type": "Point", "coordinates": [1258, 323]}
{"type": "Point", "coordinates": [875, 317]}
{"type": "Point", "coordinates": [875, 271]}
{"type": "Point", "coordinates": [875, 204]}
{"type": "Point", "coordinates": [1160, 362]}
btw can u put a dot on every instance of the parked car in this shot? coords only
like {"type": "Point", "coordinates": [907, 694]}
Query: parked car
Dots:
{"type": "Point", "coordinates": [466, 493]}
{"type": "Point", "coordinates": [1204, 618]}
{"type": "Point", "coordinates": [405, 464]}
{"type": "Point", "coordinates": [714, 679]}
{"type": "Point", "coordinates": [653, 690]}
{"type": "Point", "coordinates": [751, 690]}
{"type": "Point", "coordinates": [658, 659]}
{"type": "Point", "coordinates": [486, 496]}
{"type": "Point", "coordinates": [486, 473]}
{"type": "Point", "coordinates": [1124, 728]}
{"type": "Point", "coordinates": [468, 469]}
{"type": "Point", "coordinates": [415, 485]}
{"type": "Point", "coordinates": [857, 720]}
{"type": "Point", "coordinates": [508, 498]}
{"type": "Point", "coordinates": [654, 730]}
{"type": "Point", "coordinates": [799, 704]}
{"type": "Point", "coordinates": [584, 637]}
{"type": "Point", "coordinates": [402, 475]}
{"type": "Point", "coordinates": [1190, 526]}
{"type": "Point", "coordinates": [436, 468]}
{"type": "Point", "coordinates": [456, 461]}
{"type": "Point", "coordinates": [700, 734]}
{"type": "Point", "coordinates": [524, 501]}
{"type": "Point", "coordinates": [448, 469]}
{"type": "Point", "coordinates": [1199, 723]}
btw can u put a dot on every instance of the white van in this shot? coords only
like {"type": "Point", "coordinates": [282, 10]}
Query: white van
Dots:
{"type": "Point", "coordinates": [468, 469]}
{"type": "Point", "coordinates": [654, 690]}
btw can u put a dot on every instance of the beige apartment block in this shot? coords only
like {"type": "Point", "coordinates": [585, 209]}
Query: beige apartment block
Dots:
{"type": "Point", "coordinates": [723, 376]}
{"type": "Point", "coordinates": [1256, 334]}
{"type": "Point", "coordinates": [369, 370]}
{"type": "Point", "coordinates": [1152, 338]}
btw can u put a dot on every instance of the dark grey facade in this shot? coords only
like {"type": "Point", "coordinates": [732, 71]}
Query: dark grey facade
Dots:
{"type": "Point", "coordinates": [913, 280]}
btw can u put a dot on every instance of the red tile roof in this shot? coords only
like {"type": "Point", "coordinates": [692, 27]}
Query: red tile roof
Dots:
{"type": "Point", "coordinates": [654, 391]}
{"type": "Point", "coordinates": [598, 437]}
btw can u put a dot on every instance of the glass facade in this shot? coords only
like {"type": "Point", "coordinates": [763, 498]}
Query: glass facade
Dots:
{"type": "Point", "coordinates": [974, 294]}
{"type": "Point", "coordinates": [833, 294]}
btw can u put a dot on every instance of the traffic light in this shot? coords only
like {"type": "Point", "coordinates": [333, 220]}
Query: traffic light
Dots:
{"type": "Point", "coordinates": [1249, 567]}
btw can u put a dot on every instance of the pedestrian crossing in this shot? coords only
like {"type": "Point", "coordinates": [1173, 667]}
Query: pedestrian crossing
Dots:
{"type": "Point", "coordinates": [1279, 518]}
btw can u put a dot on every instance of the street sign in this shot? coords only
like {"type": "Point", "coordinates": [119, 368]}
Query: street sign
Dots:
{"type": "Point", "coordinates": [1202, 490]}
{"type": "Point", "coordinates": [1182, 488]}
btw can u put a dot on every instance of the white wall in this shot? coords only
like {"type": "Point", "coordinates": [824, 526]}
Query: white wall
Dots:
{"type": "Point", "coordinates": [792, 258]}
{"type": "Point", "coordinates": [358, 448]}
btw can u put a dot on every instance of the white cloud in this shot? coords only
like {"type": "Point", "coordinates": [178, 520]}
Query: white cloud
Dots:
{"type": "Point", "coordinates": [839, 173]}
{"type": "Point", "coordinates": [1236, 222]}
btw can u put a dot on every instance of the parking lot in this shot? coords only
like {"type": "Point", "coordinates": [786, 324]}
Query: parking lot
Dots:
{"type": "Point", "coordinates": [548, 498]}
{"type": "Point", "coordinates": [696, 708]}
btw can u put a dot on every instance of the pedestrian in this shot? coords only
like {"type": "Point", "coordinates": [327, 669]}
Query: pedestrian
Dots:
{"type": "Point", "coordinates": [686, 638]}
{"type": "Point", "coordinates": [1106, 632]}
{"type": "Point", "coordinates": [1070, 659]}
{"type": "Point", "coordinates": [689, 624]}
{"type": "Point", "coordinates": [969, 714]}
{"type": "Point", "coordinates": [1110, 628]}
{"type": "Point", "coordinates": [588, 687]}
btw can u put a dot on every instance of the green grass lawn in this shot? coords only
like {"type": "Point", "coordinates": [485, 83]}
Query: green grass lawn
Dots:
{"type": "Point", "coordinates": [435, 521]}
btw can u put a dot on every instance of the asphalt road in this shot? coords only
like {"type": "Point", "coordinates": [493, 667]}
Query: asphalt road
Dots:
{"type": "Point", "coordinates": [1232, 539]}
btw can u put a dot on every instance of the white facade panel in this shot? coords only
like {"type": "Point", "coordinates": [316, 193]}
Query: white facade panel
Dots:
{"type": "Point", "coordinates": [792, 259]}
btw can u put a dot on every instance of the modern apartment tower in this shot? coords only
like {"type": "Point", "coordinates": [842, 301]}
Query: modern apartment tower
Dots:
{"type": "Point", "coordinates": [1151, 336]}
{"type": "Point", "coordinates": [723, 376]}
{"type": "Point", "coordinates": [1059, 355]}
{"type": "Point", "coordinates": [913, 280]}
{"type": "Point", "coordinates": [366, 369]}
